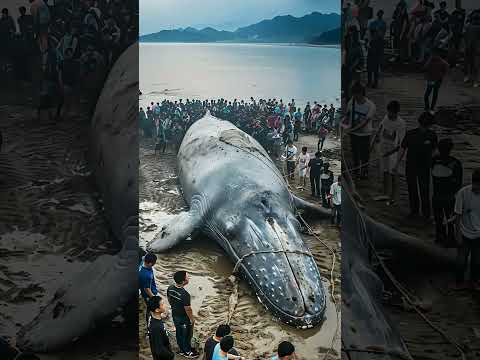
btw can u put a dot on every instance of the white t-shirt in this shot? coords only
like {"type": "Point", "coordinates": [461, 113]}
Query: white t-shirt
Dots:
{"type": "Point", "coordinates": [336, 192]}
{"type": "Point", "coordinates": [467, 204]}
{"type": "Point", "coordinates": [362, 111]}
{"type": "Point", "coordinates": [291, 152]}
{"type": "Point", "coordinates": [303, 160]}
{"type": "Point", "coordinates": [391, 133]}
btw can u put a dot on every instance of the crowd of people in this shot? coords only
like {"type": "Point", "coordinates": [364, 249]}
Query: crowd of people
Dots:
{"type": "Point", "coordinates": [436, 40]}
{"type": "Point", "coordinates": [76, 42]}
{"type": "Point", "coordinates": [274, 124]}
{"type": "Point", "coordinates": [219, 346]}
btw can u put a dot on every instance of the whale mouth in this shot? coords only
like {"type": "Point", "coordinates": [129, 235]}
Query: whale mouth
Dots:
{"type": "Point", "coordinates": [283, 273]}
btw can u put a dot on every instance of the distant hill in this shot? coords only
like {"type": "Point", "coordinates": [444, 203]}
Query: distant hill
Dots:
{"type": "Point", "coordinates": [328, 37]}
{"type": "Point", "coordinates": [281, 29]}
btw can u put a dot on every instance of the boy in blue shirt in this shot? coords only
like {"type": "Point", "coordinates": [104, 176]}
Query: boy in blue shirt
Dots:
{"type": "Point", "coordinates": [146, 279]}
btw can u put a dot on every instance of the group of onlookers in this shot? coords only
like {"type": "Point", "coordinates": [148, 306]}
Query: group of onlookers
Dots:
{"type": "Point", "coordinates": [75, 43]}
{"type": "Point", "coordinates": [219, 346]}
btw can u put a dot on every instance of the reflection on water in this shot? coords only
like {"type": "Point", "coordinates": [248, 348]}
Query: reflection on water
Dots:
{"type": "Point", "coordinates": [239, 71]}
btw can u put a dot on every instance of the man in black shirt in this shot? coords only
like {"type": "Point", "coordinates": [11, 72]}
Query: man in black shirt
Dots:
{"type": "Point", "coordinates": [442, 13]}
{"type": "Point", "coordinates": [326, 178]}
{"type": "Point", "coordinates": [222, 331]}
{"type": "Point", "coordinates": [182, 314]}
{"type": "Point", "coordinates": [315, 166]}
{"type": "Point", "coordinates": [159, 343]}
{"type": "Point", "coordinates": [447, 175]}
{"type": "Point", "coordinates": [419, 144]}
{"type": "Point", "coordinates": [457, 21]}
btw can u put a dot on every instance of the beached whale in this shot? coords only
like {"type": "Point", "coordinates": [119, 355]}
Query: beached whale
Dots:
{"type": "Point", "coordinates": [239, 198]}
{"type": "Point", "coordinates": [109, 282]}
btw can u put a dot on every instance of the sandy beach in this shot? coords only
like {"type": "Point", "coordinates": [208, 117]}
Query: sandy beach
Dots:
{"type": "Point", "coordinates": [256, 332]}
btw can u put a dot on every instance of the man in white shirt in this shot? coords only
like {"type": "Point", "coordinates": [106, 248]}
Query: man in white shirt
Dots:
{"type": "Point", "coordinates": [336, 200]}
{"type": "Point", "coordinates": [291, 157]}
{"type": "Point", "coordinates": [360, 113]}
{"type": "Point", "coordinates": [467, 210]}
{"type": "Point", "coordinates": [389, 135]}
{"type": "Point", "coordinates": [303, 160]}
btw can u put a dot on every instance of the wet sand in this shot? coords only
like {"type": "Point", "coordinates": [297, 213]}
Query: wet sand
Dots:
{"type": "Point", "coordinates": [52, 220]}
{"type": "Point", "coordinates": [455, 312]}
{"type": "Point", "coordinates": [256, 332]}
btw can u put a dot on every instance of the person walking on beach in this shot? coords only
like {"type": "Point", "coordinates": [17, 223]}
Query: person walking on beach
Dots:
{"type": "Point", "coordinates": [157, 334]}
{"type": "Point", "coordinates": [146, 279]}
{"type": "Point", "coordinates": [419, 145]}
{"type": "Point", "coordinates": [222, 331]}
{"type": "Point", "coordinates": [436, 69]}
{"type": "Point", "coordinates": [182, 314]}
{"type": "Point", "coordinates": [335, 196]}
{"type": "Point", "coordinates": [447, 176]}
{"type": "Point", "coordinates": [360, 113]}
{"type": "Point", "coordinates": [467, 211]}
{"type": "Point", "coordinates": [374, 57]}
{"type": "Point", "coordinates": [285, 351]}
{"type": "Point", "coordinates": [291, 157]}
{"type": "Point", "coordinates": [389, 135]}
{"type": "Point", "coordinates": [315, 166]}
{"type": "Point", "coordinates": [303, 160]}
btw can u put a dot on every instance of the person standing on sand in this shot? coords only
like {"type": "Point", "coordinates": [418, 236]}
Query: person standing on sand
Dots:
{"type": "Point", "coordinates": [389, 135]}
{"type": "Point", "coordinates": [447, 179]}
{"type": "Point", "coordinates": [303, 161]}
{"type": "Point", "coordinates": [146, 279]}
{"type": "Point", "coordinates": [315, 166]}
{"type": "Point", "coordinates": [326, 178]}
{"type": "Point", "coordinates": [157, 334]}
{"type": "Point", "coordinates": [436, 69]}
{"type": "Point", "coordinates": [419, 145]}
{"type": "Point", "coordinates": [222, 331]}
{"type": "Point", "coordinates": [335, 196]}
{"type": "Point", "coordinates": [182, 314]}
{"type": "Point", "coordinates": [322, 135]}
{"type": "Point", "coordinates": [285, 351]}
{"type": "Point", "coordinates": [467, 211]}
{"type": "Point", "coordinates": [358, 120]}
{"type": "Point", "coordinates": [291, 157]}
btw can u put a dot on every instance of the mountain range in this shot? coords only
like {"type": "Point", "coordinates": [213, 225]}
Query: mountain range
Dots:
{"type": "Point", "coordinates": [310, 28]}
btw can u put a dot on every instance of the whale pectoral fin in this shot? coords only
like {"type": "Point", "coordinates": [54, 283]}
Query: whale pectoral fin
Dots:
{"type": "Point", "coordinates": [90, 296]}
{"type": "Point", "coordinates": [311, 208]}
{"type": "Point", "coordinates": [174, 230]}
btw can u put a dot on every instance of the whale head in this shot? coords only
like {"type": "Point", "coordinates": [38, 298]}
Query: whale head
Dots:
{"type": "Point", "coordinates": [262, 235]}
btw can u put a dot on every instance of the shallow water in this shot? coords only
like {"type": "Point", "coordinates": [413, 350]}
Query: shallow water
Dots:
{"type": "Point", "coordinates": [205, 71]}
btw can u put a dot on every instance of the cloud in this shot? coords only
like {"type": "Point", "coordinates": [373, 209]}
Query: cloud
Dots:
{"type": "Point", "coordinates": [156, 15]}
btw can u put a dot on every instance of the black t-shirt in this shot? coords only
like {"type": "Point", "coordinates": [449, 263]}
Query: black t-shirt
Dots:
{"type": "Point", "coordinates": [178, 299]}
{"type": "Point", "coordinates": [209, 347]}
{"type": "Point", "coordinates": [159, 343]}
{"type": "Point", "coordinates": [447, 176]}
{"type": "Point", "coordinates": [315, 166]}
{"type": "Point", "coordinates": [420, 144]}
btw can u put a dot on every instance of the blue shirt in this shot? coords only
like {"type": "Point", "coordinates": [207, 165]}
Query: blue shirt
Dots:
{"type": "Point", "coordinates": [378, 25]}
{"type": "Point", "coordinates": [216, 353]}
{"type": "Point", "coordinates": [275, 357]}
{"type": "Point", "coordinates": [146, 280]}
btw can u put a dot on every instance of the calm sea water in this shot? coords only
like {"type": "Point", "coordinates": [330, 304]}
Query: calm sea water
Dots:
{"type": "Point", "coordinates": [206, 71]}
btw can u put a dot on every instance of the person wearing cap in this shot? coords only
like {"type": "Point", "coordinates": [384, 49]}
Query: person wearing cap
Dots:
{"type": "Point", "coordinates": [157, 334]}
{"type": "Point", "coordinates": [419, 145]}
{"type": "Point", "coordinates": [285, 351]}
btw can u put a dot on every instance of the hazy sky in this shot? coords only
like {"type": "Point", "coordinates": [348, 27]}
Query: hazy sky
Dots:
{"type": "Point", "coordinates": [156, 15]}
